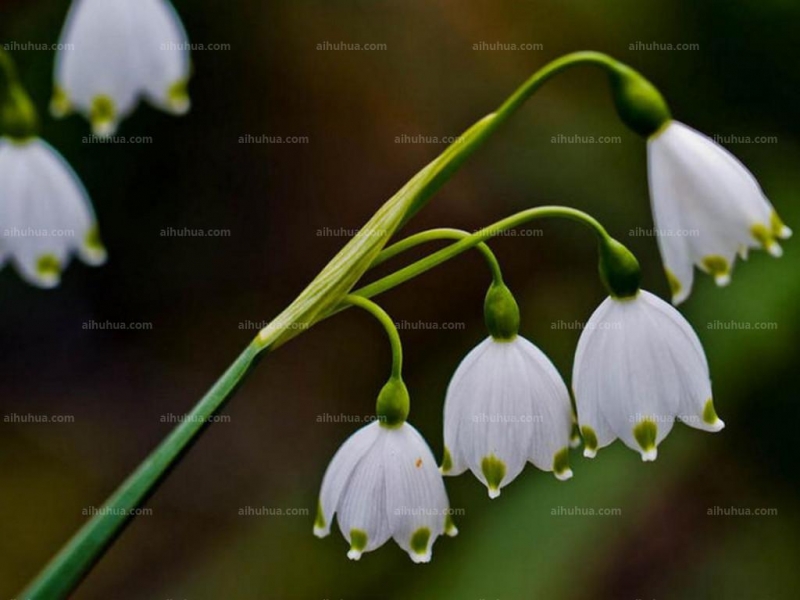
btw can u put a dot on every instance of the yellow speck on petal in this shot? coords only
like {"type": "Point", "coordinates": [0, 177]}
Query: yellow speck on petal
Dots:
{"type": "Point", "coordinates": [645, 433]}
{"type": "Point", "coordinates": [779, 229]}
{"type": "Point", "coordinates": [178, 97]}
{"type": "Point", "coordinates": [718, 267]}
{"type": "Point", "coordinates": [765, 237]}
{"type": "Point", "coordinates": [48, 268]}
{"type": "Point", "coordinates": [674, 283]}
{"type": "Point", "coordinates": [60, 106]}
{"type": "Point", "coordinates": [103, 116]}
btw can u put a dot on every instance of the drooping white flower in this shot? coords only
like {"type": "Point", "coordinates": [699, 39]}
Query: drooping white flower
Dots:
{"type": "Point", "coordinates": [384, 483]}
{"type": "Point", "coordinates": [707, 207]}
{"type": "Point", "coordinates": [113, 52]}
{"type": "Point", "coordinates": [506, 405]}
{"type": "Point", "coordinates": [45, 213]}
{"type": "Point", "coordinates": [638, 367]}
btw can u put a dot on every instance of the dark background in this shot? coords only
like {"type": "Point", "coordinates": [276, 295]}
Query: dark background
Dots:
{"type": "Point", "coordinates": [196, 291]}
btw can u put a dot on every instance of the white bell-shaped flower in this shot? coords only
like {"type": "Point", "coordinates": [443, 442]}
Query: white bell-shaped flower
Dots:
{"type": "Point", "coordinates": [707, 207]}
{"type": "Point", "coordinates": [113, 52]}
{"type": "Point", "coordinates": [638, 367]}
{"type": "Point", "coordinates": [506, 405]}
{"type": "Point", "coordinates": [384, 483]}
{"type": "Point", "coordinates": [45, 213]}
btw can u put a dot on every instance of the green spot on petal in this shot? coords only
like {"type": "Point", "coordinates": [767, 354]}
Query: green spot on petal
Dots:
{"type": "Point", "coordinates": [494, 470]}
{"type": "Point", "coordinates": [48, 266]}
{"type": "Point", "coordinates": [674, 283]}
{"type": "Point", "coordinates": [779, 229]}
{"type": "Point", "coordinates": [420, 539]}
{"type": "Point", "coordinates": [178, 96]}
{"type": "Point", "coordinates": [450, 526]}
{"type": "Point", "coordinates": [447, 461]}
{"type": "Point", "coordinates": [589, 439]}
{"type": "Point", "coordinates": [561, 465]}
{"type": "Point", "coordinates": [103, 115]}
{"type": "Point", "coordinates": [60, 105]}
{"type": "Point", "coordinates": [762, 235]}
{"type": "Point", "coordinates": [718, 267]}
{"type": "Point", "coordinates": [358, 540]}
{"type": "Point", "coordinates": [709, 414]}
{"type": "Point", "coordinates": [319, 521]}
{"type": "Point", "coordinates": [645, 434]}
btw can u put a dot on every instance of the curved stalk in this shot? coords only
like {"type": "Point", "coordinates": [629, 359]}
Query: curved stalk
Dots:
{"type": "Point", "coordinates": [433, 235]}
{"type": "Point", "coordinates": [391, 330]}
{"type": "Point", "coordinates": [470, 241]}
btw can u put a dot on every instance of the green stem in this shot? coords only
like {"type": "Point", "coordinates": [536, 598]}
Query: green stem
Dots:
{"type": "Point", "coordinates": [391, 330]}
{"type": "Point", "coordinates": [472, 240]}
{"type": "Point", "coordinates": [441, 234]}
{"type": "Point", "coordinates": [66, 570]}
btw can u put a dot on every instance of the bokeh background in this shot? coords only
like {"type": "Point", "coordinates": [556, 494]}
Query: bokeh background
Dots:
{"type": "Point", "coordinates": [199, 293]}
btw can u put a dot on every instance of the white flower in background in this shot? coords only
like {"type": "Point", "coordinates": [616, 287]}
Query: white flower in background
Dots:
{"type": "Point", "coordinates": [707, 207]}
{"type": "Point", "coordinates": [115, 51]}
{"type": "Point", "coordinates": [384, 483]}
{"type": "Point", "coordinates": [638, 367]}
{"type": "Point", "coordinates": [506, 405]}
{"type": "Point", "coordinates": [45, 213]}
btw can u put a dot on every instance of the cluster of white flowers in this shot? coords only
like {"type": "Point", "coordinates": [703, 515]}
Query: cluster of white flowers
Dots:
{"type": "Point", "coordinates": [112, 52]}
{"type": "Point", "coordinates": [638, 368]}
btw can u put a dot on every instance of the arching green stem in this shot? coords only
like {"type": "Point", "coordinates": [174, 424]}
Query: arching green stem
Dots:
{"type": "Point", "coordinates": [391, 330]}
{"type": "Point", "coordinates": [472, 240]}
{"type": "Point", "coordinates": [433, 235]}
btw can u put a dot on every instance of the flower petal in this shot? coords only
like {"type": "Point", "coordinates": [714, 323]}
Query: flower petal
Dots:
{"type": "Point", "coordinates": [552, 418]}
{"type": "Point", "coordinates": [417, 500]}
{"type": "Point", "coordinates": [339, 473]}
{"type": "Point", "coordinates": [587, 376]}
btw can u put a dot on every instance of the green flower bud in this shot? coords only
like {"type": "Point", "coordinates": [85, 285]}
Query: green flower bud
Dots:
{"type": "Point", "coordinates": [639, 104]}
{"type": "Point", "coordinates": [619, 269]}
{"type": "Point", "coordinates": [501, 313]}
{"type": "Point", "coordinates": [18, 118]}
{"type": "Point", "coordinates": [393, 403]}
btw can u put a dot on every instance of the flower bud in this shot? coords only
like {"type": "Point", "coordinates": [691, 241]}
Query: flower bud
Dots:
{"type": "Point", "coordinates": [501, 313]}
{"type": "Point", "coordinates": [619, 269]}
{"type": "Point", "coordinates": [393, 403]}
{"type": "Point", "coordinates": [639, 104]}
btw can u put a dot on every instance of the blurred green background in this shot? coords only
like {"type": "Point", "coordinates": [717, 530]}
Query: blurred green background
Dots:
{"type": "Point", "coordinates": [743, 80]}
